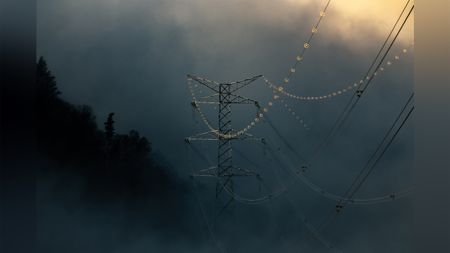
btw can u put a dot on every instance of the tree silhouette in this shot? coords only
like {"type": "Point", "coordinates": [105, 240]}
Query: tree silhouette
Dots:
{"type": "Point", "coordinates": [113, 164]}
{"type": "Point", "coordinates": [46, 83]}
{"type": "Point", "coordinates": [109, 127]}
{"type": "Point", "coordinates": [114, 169]}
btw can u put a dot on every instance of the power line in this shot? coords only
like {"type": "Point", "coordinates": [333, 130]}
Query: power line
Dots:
{"type": "Point", "coordinates": [380, 145]}
{"type": "Point", "coordinates": [299, 173]}
{"type": "Point", "coordinates": [370, 168]}
{"type": "Point", "coordinates": [356, 96]}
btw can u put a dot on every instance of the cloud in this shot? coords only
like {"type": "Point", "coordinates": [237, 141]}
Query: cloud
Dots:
{"type": "Point", "coordinates": [131, 57]}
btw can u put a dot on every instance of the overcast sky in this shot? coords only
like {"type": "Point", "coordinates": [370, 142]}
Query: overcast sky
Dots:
{"type": "Point", "coordinates": [131, 57]}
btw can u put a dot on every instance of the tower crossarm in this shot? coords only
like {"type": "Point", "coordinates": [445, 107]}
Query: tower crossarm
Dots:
{"type": "Point", "coordinates": [237, 99]}
{"type": "Point", "coordinates": [209, 84]}
{"type": "Point", "coordinates": [211, 99]}
{"type": "Point", "coordinates": [241, 84]}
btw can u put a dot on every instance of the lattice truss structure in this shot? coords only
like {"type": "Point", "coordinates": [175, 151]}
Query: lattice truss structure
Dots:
{"type": "Point", "coordinates": [224, 95]}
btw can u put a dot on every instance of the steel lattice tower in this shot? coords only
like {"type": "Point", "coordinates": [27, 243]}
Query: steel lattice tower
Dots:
{"type": "Point", "coordinates": [224, 96]}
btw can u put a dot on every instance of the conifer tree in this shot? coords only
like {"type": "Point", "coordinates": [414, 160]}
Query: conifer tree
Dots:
{"type": "Point", "coordinates": [46, 82]}
{"type": "Point", "coordinates": [109, 127]}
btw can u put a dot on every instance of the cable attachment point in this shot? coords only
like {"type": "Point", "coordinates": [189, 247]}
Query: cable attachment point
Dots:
{"type": "Point", "coordinates": [359, 92]}
{"type": "Point", "coordinates": [304, 169]}
{"type": "Point", "coordinates": [339, 208]}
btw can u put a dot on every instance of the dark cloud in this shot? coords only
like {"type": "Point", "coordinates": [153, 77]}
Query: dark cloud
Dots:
{"type": "Point", "coordinates": [131, 57]}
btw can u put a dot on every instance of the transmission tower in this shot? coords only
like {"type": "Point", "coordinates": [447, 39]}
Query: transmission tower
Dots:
{"type": "Point", "coordinates": [224, 95]}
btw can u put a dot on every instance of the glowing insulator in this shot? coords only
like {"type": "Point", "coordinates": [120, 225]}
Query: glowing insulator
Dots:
{"type": "Point", "coordinates": [339, 92]}
{"type": "Point", "coordinates": [334, 93]}
{"type": "Point", "coordinates": [252, 124]}
{"type": "Point", "coordinates": [306, 45]}
{"type": "Point", "coordinates": [382, 69]}
{"type": "Point", "coordinates": [265, 110]}
{"type": "Point", "coordinates": [270, 103]}
{"type": "Point", "coordinates": [367, 77]}
{"type": "Point", "coordinates": [405, 51]}
{"type": "Point", "coordinates": [261, 115]}
{"type": "Point", "coordinates": [286, 80]}
{"type": "Point", "coordinates": [256, 119]}
{"type": "Point", "coordinates": [280, 89]}
{"type": "Point", "coordinates": [322, 14]}
{"type": "Point", "coordinates": [314, 30]}
{"type": "Point", "coordinates": [389, 63]}
{"type": "Point", "coordinates": [299, 58]}
{"type": "Point", "coordinates": [276, 97]}
{"type": "Point", "coordinates": [375, 73]}
{"type": "Point", "coordinates": [292, 70]}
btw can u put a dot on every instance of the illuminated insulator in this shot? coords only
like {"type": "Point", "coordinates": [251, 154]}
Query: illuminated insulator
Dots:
{"type": "Point", "coordinates": [306, 45]}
